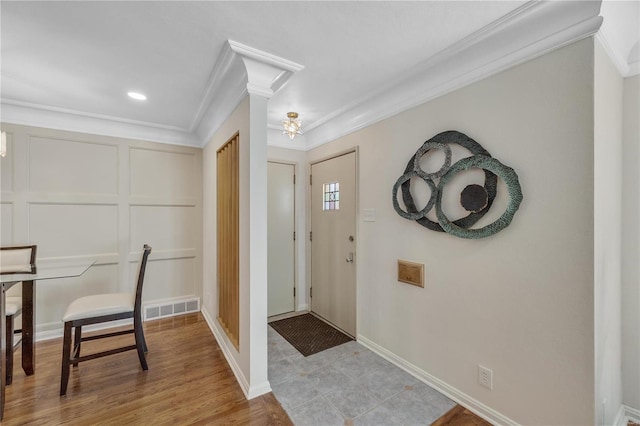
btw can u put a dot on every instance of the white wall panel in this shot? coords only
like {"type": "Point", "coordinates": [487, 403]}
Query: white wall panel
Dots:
{"type": "Point", "coordinates": [163, 174]}
{"type": "Point", "coordinates": [6, 224]}
{"type": "Point", "coordinates": [73, 230]}
{"type": "Point", "coordinates": [166, 279]}
{"type": "Point", "coordinates": [63, 166]}
{"type": "Point", "coordinates": [6, 167]}
{"type": "Point", "coordinates": [71, 194]}
{"type": "Point", "coordinates": [162, 227]}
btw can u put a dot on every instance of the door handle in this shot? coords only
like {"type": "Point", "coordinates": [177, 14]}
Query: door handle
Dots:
{"type": "Point", "coordinates": [350, 257]}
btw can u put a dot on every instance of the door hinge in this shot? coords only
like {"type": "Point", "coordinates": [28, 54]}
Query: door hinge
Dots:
{"type": "Point", "coordinates": [310, 236]}
{"type": "Point", "coordinates": [294, 292]}
{"type": "Point", "coordinates": [310, 179]}
{"type": "Point", "coordinates": [294, 179]}
{"type": "Point", "coordinates": [294, 235]}
{"type": "Point", "coordinates": [310, 291]}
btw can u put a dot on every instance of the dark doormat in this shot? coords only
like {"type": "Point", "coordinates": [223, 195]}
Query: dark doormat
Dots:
{"type": "Point", "coordinates": [308, 334]}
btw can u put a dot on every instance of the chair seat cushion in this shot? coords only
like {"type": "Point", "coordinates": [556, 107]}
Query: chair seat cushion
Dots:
{"type": "Point", "coordinates": [98, 305]}
{"type": "Point", "coordinates": [12, 308]}
{"type": "Point", "coordinates": [13, 305]}
{"type": "Point", "coordinates": [16, 300]}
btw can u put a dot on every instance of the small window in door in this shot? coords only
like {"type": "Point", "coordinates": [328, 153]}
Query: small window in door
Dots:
{"type": "Point", "coordinates": [331, 196]}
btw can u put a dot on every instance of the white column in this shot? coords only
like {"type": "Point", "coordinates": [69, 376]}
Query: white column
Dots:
{"type": "Point", "coordinates": [266, 74]}
{"type": "Point", "coordinates": [258, 383]}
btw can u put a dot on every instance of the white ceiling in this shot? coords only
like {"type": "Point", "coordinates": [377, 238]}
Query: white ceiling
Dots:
{"type": "Point", "coordinates": [73, 62]}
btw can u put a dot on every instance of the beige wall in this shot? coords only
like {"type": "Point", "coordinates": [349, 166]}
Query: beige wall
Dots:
{"type": "Point", "coordinates": [607, 238]}
{"type": "Point", "coordinates": [631, 244]}
{"type": "Point", "coordinates": [519, 302]}
{"type": "Point", "coordinates": [77, 195]}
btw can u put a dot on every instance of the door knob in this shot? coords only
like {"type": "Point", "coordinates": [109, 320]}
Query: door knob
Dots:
{"type": "Point", "coordinates": [350, 257]}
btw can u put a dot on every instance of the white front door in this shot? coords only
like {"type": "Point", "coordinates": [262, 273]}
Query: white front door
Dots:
{"type": "Point", "coordinates": [281, 226]}
{"type": "Point", "coordinates": [333, 226]}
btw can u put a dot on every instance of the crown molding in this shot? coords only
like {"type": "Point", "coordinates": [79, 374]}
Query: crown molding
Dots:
{"type": "Point", "coordinates": [214, 84]}
{"type": "Point", "coordinates": [226, 88]}
{"type": "Point", "coordinates": [47, 108]}
{"type": "Point", "coordinates": [63, 119]}
{"type": "Point", "coordinates": [619, 62]}
{"type": "Point", "coordinates": [624, 68]}
{"type": "Point", "coordinates": [530, 31]}
{"type": "Point", "coordinates": [256, 73]}
{"type": "Point", "coordinates": [240, 70]}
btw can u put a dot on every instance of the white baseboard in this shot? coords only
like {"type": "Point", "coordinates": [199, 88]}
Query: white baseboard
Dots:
{"type": "Point", "coordinates": [261, 389]}
{"type": "Point", "coordinates": [228, 354]}
{"type": "Point", "coordinates": [54, 330]}
{"type": "Point", "coordinates": [620, 419]}
{"type": "Point", "coordinates": [632, 413]}
{"type": "Point", "coordinates": [456, 395]}
{"type": "Point", "coordinates": [625, 414]}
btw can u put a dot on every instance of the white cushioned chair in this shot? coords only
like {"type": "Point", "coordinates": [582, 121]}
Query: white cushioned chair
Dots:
{"type": "Point", "coordinates": [101, 308]}
{"type": "Point", "coordinates": [14, 260]}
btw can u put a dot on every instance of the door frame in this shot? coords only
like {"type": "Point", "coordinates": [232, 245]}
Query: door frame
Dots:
{"type": "Point", "coordinates": [356, 150]}
{"type": "Point", "coordinates": [295, 229]}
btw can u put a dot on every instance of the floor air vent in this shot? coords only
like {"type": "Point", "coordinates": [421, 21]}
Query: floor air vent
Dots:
{"type": "Point", "coordinates": [171, 309]}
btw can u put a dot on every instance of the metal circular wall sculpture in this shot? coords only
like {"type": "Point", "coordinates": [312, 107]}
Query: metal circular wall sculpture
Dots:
{"type": "Point", "coordinates": [476, 199]}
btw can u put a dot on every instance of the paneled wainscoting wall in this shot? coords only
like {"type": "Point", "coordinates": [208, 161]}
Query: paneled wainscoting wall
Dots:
{"type": "Point", "coordinates": [81, 196]}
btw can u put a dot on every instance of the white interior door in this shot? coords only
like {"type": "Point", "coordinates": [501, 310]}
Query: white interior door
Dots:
{"type": "Point", "coordinates": [281, 226]}
{"type": "Point", "coordinates": [333, 226]}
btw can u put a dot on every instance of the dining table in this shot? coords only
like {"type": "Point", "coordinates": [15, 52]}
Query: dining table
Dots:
{"type": "Point", "coordinates": [70, 269]}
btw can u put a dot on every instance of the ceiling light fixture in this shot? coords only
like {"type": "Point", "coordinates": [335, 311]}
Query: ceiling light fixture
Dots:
{"type": "Point", "coordinates": [137, 96]}
{"type": "Point", "coordinates": [292, 125]}
{"type": "Point", "coordinates": [3, 145]}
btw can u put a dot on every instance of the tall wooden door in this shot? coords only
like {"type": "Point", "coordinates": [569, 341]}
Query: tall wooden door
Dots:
{"type": "Point", "coordinates": [333, 226]}
{"type": "Point", "coordinates": [280, 235]}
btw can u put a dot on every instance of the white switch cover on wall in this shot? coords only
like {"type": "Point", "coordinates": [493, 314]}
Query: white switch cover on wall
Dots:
{"type": "Point", "coordinates": [369, 215]}
{"type": "Point", "coordinates": [485, 377]}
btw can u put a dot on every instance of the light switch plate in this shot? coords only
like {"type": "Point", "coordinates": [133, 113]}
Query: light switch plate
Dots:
{"type": "Point", "coordinates": [411, 273]}
{"type": "Point", "coordinates": [369, 215]}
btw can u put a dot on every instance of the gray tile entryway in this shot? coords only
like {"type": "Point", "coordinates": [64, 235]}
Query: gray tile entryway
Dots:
{"type": "Point", "coordinates": [349, 384]}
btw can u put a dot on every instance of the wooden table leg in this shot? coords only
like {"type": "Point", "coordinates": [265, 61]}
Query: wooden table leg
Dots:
{"type": "Point", "coordinates": [28, 327]}
{"type": "Point", "coordinates": [3, 374]}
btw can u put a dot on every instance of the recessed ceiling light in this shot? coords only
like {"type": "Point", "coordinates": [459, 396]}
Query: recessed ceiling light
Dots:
{"type": "Point", "coordinates": [137, 96]}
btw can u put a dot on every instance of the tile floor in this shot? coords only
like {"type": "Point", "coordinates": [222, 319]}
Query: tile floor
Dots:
{"type": "Point", "coordinates": [349, 385]}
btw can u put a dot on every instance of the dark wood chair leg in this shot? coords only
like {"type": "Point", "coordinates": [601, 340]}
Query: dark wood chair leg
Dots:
{"type": "Point", "coordinates": [9, 351]}
{"type": "Point", "coordinates": [140, 343]}
{"type": "Point", "coordinates": [144, 342]}
{"type": "Point", "coordinates": [66, 352]}
{"type": "Point", "coordinates": [77, 341]}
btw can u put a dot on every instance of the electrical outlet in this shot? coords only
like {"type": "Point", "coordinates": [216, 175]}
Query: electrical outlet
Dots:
{"type": "Point", "coordinates": [485, 377]}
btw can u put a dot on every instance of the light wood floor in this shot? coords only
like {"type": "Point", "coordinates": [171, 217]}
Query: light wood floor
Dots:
{"type": "Point", "coordinates": [188, 382]}
{"type": "Point", "coordinates": [460, 416]}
